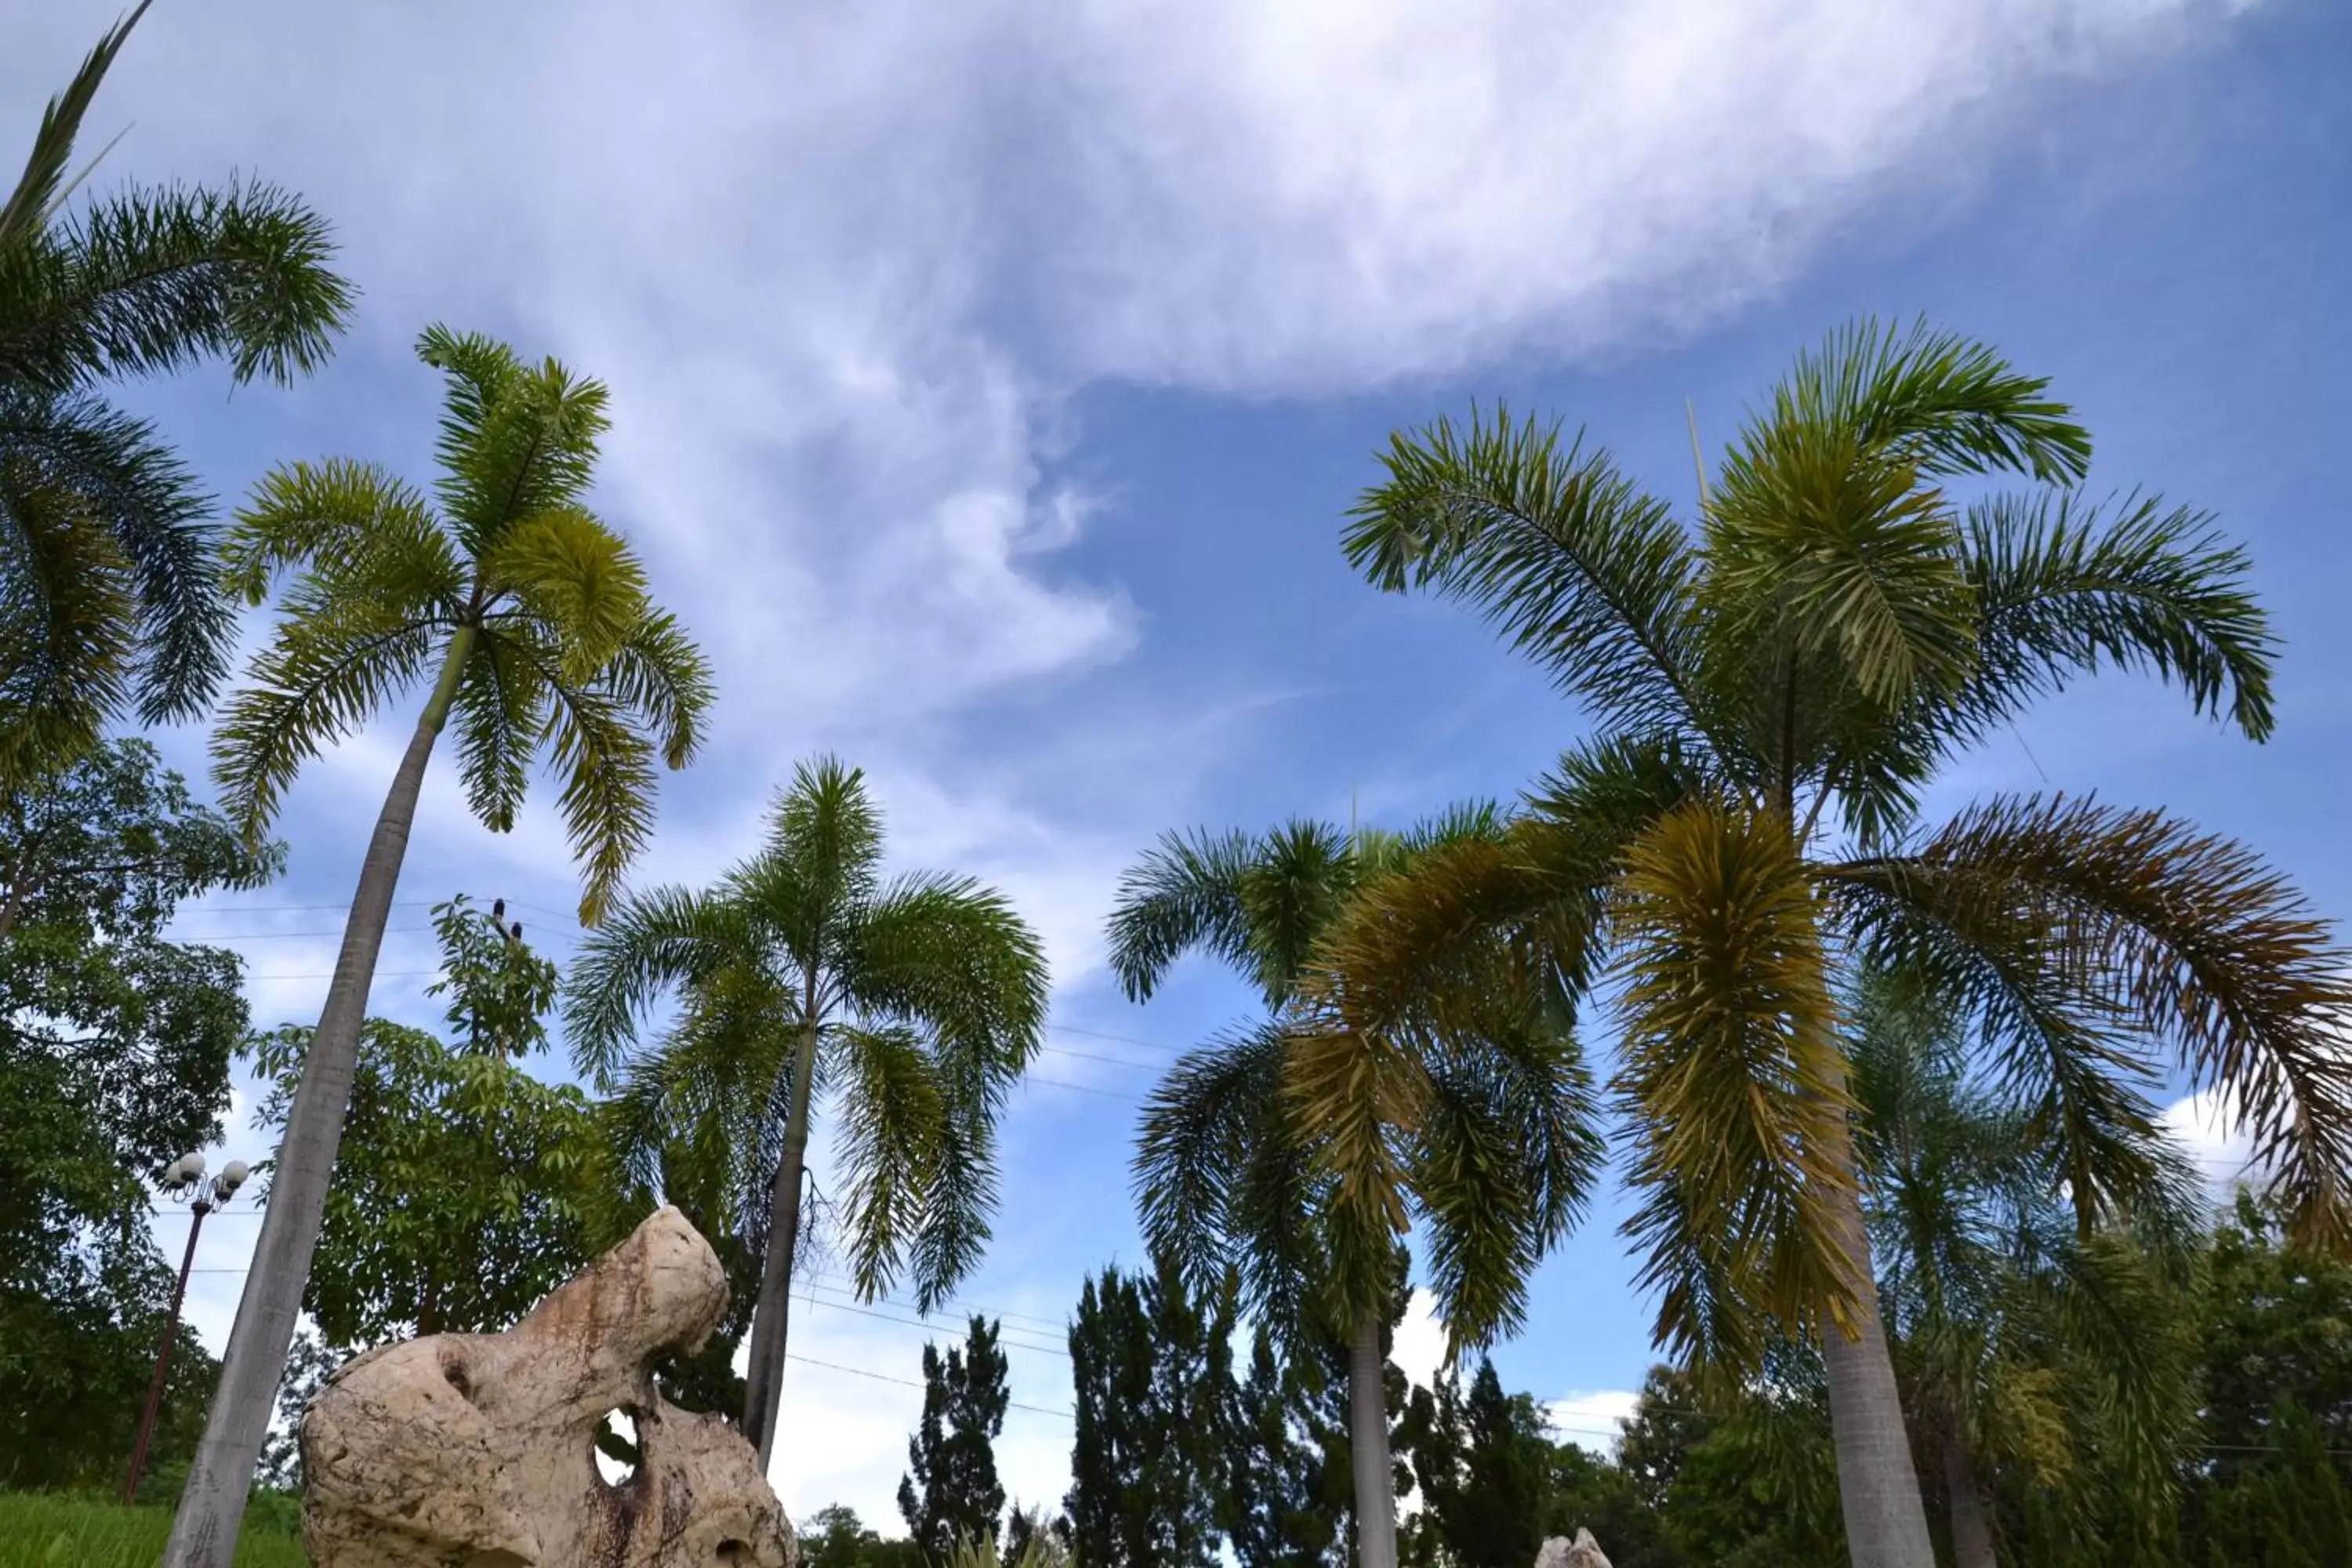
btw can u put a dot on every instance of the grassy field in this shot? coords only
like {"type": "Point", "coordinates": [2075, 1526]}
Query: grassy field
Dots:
{"type": "Point", "coordinates": [40, 1531]}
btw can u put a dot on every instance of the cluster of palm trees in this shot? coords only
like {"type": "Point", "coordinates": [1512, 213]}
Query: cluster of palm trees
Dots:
{"type": "Point", "coordinates": [1734, 866]}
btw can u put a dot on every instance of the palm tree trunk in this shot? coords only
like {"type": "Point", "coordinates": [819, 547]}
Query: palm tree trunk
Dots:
{"type": "Point", "coordinates": [764, 1379]}
{"type": "Point", "coordinates": [212, 1506]}
{"type": "Point", "coordinates": [1971, 1529]}
{"type": "Point", "coordinates": [1878, 1486]}
{"type": "Point", "coordinates": [1368, 1445]}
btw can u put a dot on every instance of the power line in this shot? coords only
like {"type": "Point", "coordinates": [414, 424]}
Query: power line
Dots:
{"type": "Point", "coordinates": [909, 1382]}
{"type": "Point", "coordinates": [815, 1301]}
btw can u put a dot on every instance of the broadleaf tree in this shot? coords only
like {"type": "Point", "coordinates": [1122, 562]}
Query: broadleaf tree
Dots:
{"type": "Point", "coordinates": [529, 622]}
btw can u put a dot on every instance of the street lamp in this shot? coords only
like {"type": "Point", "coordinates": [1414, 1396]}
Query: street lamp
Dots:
{"type": "Point", "coordinates": [183, 1181]}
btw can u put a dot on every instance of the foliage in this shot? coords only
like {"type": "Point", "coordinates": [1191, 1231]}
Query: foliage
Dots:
{"type": "Point", "coordinates": [466, 1187]}
{"type": "Point", "coordinates": [1286, 1475]}
{"type": "Point", "coordinates": [38, 1531]}
{"type": "Point", "coordinates": [308, 1363]}
{"type": "Point", "coordinates": [835, 1537]}
{"type": "Point", "coordinates": [1153, 1366]}
{"type": "Point", "coordinates": [804, 977]}
{"type": "Point", "coordinates": [1484, 1468]}
{"type": "Point", "coordinates": [534, 613]}
{"type": "Point", "coordinates": [1296, 1154]}
{"type": "Point", "coordinates": [951, 1496]}
{"type": "Point", "coordinates": [108, 599]}
{"type": "Point", "coordinates": [114, 1053]}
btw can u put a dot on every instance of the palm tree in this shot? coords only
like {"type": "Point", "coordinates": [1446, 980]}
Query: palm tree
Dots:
{"type": "Point", "coordinates": [919, 1001]}
{"type": "Point", "coordinates": [2024, 1343]}
{"type": "Point", "coordinates": [1477, 1124]}
{"type": "Point", "coordinates": [109, 599]}
{"type": "Point", "coordinates": [532, 619]}
{"type": "Point", "coordinates": [1769, 694]}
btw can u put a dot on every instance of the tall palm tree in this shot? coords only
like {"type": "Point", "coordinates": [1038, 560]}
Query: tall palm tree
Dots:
{"type": "Point", "coordinates": [108, 597]}
{"type": "Point", "coordinates": [1477, 1124]}
{"type": "Point", "coordinates": [530, 618]}
{"type": "Point", "coordinates": [916, 1001]}
{"type": "Point", "coordinates": [1770, 693]}
{"type": "Point", "coordinates": [2024, 1342]}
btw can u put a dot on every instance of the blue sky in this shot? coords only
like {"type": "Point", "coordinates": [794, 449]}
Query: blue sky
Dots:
{"type": "Point", "coordinates": [989, 381]}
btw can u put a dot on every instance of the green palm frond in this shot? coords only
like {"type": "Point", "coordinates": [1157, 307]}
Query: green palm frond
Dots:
{"type": "Point", "coordinates": [652, 940]}
{"type": "Point", "coordinates": [2062, 586]}
{"type": "Point", "coordinates": [1298, 879]}
{"type": "Point", "coordinates": [659, 674]}
{"type": "Point", "coordinates": [2185, 937]}
{"type": "Point", "coordinates": [1730, 1070]}
{"type": "Point", "coordinates": [954, 955]}
{"type": "Point", "coordinates": [149, 281]}
{"type": "Point", "coordinates": [41, 187]}
{"type": "Point", "coordinates": [329, 671]}
{"type": "Point", "coordinates": [822, 858]}
{"type": "Point", "coordinates": [1185, 894]}
{"type": "Point", "coordinates": [1584, 574]}
{"type": "Point", "coordinates": [892, 1136]}
{"type": "Point", "coordinates": [347, 526]}
{"type": "Point", "coordinates": [1211, 1113]}
{"type": "Point", "coordinates": [517, 439]}
{"type": "Point", "coordinates": [501, 711]}
{"type": "Point", "coordinates": [68, 602]}
{"type": "Point", "coordinates": [964, 1187]}
{"type": "Point", "coordinates": [571, 573]}
{"type": "Point", "coordinates": [1354, 1100]}
{"type": "Point", "coordinates": [1936, 401]}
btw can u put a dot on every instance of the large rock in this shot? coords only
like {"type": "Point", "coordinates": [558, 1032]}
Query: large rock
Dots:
{"type": "Point", "coordinates": [477, 1450]}
{"type": "Point", "coordinates": [1581, 1552]}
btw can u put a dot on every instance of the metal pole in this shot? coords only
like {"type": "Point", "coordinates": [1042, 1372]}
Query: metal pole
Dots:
{"type": "Point", "coordinates": [163, 1357]}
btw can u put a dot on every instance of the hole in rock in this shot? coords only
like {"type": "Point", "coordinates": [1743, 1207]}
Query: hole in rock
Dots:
{"type": "Point", "coordinates": [453, 1369]}
{"type": "Point", "coordinates": [731, 1552]}
{"type": "Point", "coordinates": [615, 1448]}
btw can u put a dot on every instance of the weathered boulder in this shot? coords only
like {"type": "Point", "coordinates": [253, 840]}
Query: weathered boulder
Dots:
{"type": "Point", "coordinates": [1581, 1552]}
{"type": "Point", "coordinates": [477, 1450]}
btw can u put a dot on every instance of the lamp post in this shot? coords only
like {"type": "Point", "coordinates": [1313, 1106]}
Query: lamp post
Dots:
{"type": "Point", "coordinates": [183, 1179]}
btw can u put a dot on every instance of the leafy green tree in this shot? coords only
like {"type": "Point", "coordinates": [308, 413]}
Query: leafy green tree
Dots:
{"type": "Point", "coordinates": [1597, 1494]}
{"type": "Point", "coordinates": [1153, 1366]}
{"type": "Point", "coordinates": [471, 1186]}
{"type": "Point", "coordinates": [531, 619]}
{"type": "Point", "coordinates": [835, 1537]}
{"type": "Point", "coordinates": [2291, 1509]}
{"type": "Point", "coordinates": [1284, 1505]}
{"type": "Point", "coordinates": [115, 1044]}
{"type": "Point", "coordinates": [1770, 692]}
{"type": "Point", "coordinates": [950, 1493]}
{"type": "Point", "coordinates": [919, 1001]}
{"type": "Point", "coordinates": [109, 602]}
{"type": "Point", "coordinates": [1296, 1154]}
{"type": "Point", "coordinates": [1484, 1468]}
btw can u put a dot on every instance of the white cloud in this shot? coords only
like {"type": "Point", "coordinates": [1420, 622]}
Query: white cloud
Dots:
{"type": "Point", "coordinates": [2210, 1128]}
{"type": "Point", "coordinates": [1591, 1420]}
{"type": "Point", "coordinates": [1418, 1347]}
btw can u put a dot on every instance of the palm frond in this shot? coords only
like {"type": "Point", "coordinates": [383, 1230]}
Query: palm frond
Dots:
{"type": "Point", "coordinates": [1356, 1099]}
{"type": "Point", "coordinates": [575, 576]}
{"type": "Point", "coordinates": [1185, 894]}
{"type": "Point", "coordinates": [1296, 880]}
{"type": "Point", "coordinates": [1212, 1112]}
{"type": "Point", "coordinates": [346, 523]}
{"type": "Point", "coordinates": [1732, 1073]}
{"type": "Point", "coordinates": [151, 281]}
{"type": "Point", "coordinates": [67, 600]}
{"type": "Point", "coordinates": [952, 956]}
{"type": "Point", "coordinates": [2184, 936]}
{"type": "Point", "coordinates": [325, 671]}
{"type": "Point", "coordinates": [658, 673]}
{"type": "Point", "coordinates": [820, 862]}
{"type": "Point", "coordinates": [500, 710]}
{"type": "Point", "coordinates": [517, 440]}
{"type": "Point", "coordinates": [1587, 576]}
{"type": "Point", "coordinates": [606, 764]}
{"type": "Point", "coordinates": [2061, 585]}
{"type": "Point", "coordinates": [891, 1135]}
{"type": "Point", "coordinates": [38, 188]}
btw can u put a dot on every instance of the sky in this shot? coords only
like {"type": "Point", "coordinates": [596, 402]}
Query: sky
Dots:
{"type": "Point", "coordinates": [989, 382]}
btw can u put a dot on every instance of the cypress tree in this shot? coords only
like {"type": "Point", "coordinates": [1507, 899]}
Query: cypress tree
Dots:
{"type": "Point", "coordinates": [951, 1492]}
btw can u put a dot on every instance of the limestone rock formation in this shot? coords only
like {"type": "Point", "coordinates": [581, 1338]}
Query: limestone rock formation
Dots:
{"type": "Point", "coordinates": [476, 1450]}
{"type": "Point", "coordinates": [1581, 1552]}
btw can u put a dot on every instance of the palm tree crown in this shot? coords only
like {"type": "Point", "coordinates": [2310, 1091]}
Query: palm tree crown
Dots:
{"type": "Point", "coordinates": [109, 599]}
{"type": "Point", "coordinates": [912, 1004]}
{"type": "Point", "coordinates": [534, 613]}
{"type": "Point", "coordinates": [1770, 693]}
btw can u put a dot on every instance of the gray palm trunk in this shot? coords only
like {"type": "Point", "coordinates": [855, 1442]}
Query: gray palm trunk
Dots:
{"type": "Point", "coordinates": [1878, 1486]}
{"type": "Point", "coordinates": [764, 1378]}
{"type": "Point", "coordinates": [212, 1505]}
{"type": "Point", "coordinates": [1368, 1445]}
{"type": "Point", "coordinates": [1971, 1526]}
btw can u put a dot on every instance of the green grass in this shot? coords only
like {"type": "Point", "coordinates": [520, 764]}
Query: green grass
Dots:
{"type": "Point", "coordinates": [37, 1530]}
